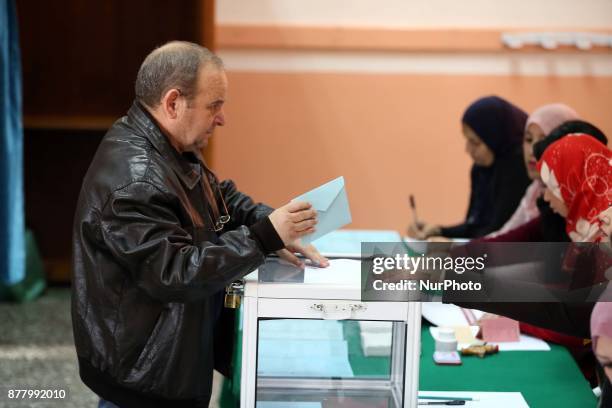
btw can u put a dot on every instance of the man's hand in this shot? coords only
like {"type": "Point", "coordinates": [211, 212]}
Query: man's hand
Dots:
{"type": "Point", "coordinates": [309, 251]}
{"type": "Point", "coordinates": [294, 220]}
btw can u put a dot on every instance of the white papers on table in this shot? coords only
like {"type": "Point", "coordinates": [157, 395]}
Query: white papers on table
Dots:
{"type": "Point", "coordinates": [446, 315]}
{"type": "Point", "coordinates": [526, 343]}
{"type": "Point", "coordinates": [482, 399]}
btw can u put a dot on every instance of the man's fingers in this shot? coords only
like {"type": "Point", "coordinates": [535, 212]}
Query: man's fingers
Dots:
{"type": "Point", "coordinates": [290, 257]}
{"type": "Point", "coordinates": [295, 206]}
{"type": "Point", "coordinates": [303, 215]}
{"type": "Point", "coordinates": [304, 225]}
{"type": "Point", "coordinates": [293, 220]}
{"type": "Point", "coordinates": [313, 254]}
{"type": "Point", "coordinates": [299, 234]}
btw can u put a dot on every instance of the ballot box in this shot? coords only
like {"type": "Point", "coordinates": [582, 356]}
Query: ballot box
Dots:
{"type": "Point", "coordinates": [309, 341]}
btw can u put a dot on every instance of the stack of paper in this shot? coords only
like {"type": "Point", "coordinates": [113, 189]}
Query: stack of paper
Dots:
{"type": "Point", "coordinates": [525, 343]}
{"type": "Point", "coordinates": [376, 338]}
{"type": "Point", "coordinates": [302, 348]}
{"type": "Point", "coordinates": [451, 316]}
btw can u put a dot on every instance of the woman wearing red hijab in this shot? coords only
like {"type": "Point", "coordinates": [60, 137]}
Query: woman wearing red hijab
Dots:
{"type": "Point", "coordinates": [577, 173]}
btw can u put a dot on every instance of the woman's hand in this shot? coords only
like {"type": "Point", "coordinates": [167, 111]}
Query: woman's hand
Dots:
{"type": "Point", "coordinates": [423, 231]}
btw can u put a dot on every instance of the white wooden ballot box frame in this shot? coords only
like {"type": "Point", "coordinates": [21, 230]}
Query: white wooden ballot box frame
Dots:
{"type": "Point", "coordinates": [331, 301]}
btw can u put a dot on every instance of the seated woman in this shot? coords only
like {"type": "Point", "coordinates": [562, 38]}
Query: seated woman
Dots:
{"type": "Point", "coordinates": [551, 225]}
{"type": "Point", "coordinates": [539, 124]}
{"type": "Point", "coordinates": [577, 173]}
{"type": "Point", "coordinates": [547, 226]}
{"type": "Point", "coordinates": [493, 129]}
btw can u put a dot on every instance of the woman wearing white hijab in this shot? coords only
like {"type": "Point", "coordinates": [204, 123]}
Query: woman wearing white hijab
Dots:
{"type": "Point", "coordinates": [539, 124]}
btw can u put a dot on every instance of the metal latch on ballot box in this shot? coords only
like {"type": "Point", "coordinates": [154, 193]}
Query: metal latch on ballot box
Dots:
{"type": "Point", "coordinates": [338, 310]}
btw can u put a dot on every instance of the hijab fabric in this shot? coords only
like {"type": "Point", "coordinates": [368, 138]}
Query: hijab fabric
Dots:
{"type": "Point", "coordinates": [578, 170]}
{"type": "Point", "coordinates": [499, 124]}
{"type": "Point", "coordinates": [548, 117]}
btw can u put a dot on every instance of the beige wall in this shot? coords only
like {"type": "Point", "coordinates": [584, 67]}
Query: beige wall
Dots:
{"type": "Point", "coordinates": [389, 135]}
{"type": "Point", "coordinates": [418, 13]}
{"type": "Point", "coordinates": [308, 103]}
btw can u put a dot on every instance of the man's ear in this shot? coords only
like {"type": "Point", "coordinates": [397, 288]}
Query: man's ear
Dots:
{"type": "Point", "coordinates": [171, 103]}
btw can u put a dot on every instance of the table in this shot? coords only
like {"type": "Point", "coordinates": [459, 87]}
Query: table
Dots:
{"type": "Point", "coordinates": [546, 379]}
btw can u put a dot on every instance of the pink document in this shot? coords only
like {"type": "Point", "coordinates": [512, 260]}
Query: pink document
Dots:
{"type": "Point", "coordinates": [499, 329]}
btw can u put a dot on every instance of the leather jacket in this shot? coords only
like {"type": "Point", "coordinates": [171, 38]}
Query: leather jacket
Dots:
{"type": "Point", "coordinates": [149, 271]}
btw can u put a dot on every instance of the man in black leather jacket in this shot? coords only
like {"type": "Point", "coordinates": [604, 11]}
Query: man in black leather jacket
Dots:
{"type": "Point", "coordinates": [157, 238]}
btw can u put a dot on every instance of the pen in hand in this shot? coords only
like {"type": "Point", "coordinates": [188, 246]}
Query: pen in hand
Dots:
{"type": "Point", "coordinates": [415, 219]}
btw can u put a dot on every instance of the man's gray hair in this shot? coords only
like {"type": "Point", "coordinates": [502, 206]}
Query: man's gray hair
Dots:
{"type": "Point", "coordinates": [173, 65]}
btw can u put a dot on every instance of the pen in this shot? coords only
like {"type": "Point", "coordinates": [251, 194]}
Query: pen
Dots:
{"type": "Point", "coordinates": [446, 398]}
{"type": "Point", "coordinates": [453, 402]}
{"type": "Point", "coordinates": [415, 218]}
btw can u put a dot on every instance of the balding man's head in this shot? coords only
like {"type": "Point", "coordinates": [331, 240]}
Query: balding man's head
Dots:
{"type": "Point", "coordinates": [173, 65]}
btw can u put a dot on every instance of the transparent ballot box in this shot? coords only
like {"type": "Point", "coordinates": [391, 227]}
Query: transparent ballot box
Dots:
{"type": "Point", "coordinates": [310, 342]}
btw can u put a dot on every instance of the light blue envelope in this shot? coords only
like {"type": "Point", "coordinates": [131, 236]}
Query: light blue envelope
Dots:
{"type": "Point", "coordinates": [332, 207]}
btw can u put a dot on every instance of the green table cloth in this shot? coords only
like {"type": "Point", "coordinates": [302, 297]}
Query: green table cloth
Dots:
{"type": "Point", "coordinates": [545, 378]}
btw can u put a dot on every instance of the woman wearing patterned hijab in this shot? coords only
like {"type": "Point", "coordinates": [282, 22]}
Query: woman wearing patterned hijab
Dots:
{"type": "Point", "coordinates": [577, 173]}
{"type": "Point", "coordinates": [493, 129]}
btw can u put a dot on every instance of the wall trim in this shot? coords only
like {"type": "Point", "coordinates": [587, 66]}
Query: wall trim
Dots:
{"type": "Point", "coordinates": [284, 37]}
{"type": "Point", "coordinates": [368, 62]}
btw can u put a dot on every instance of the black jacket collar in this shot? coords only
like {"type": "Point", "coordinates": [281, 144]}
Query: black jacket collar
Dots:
{"type": "Point", "coordinates": [185, 165]}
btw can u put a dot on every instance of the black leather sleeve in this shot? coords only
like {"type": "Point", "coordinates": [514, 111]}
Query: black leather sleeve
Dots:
{"type": "Point", "coordinates": [140, 227]}
{"type": "Point", "coordinates": [243, 210]}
